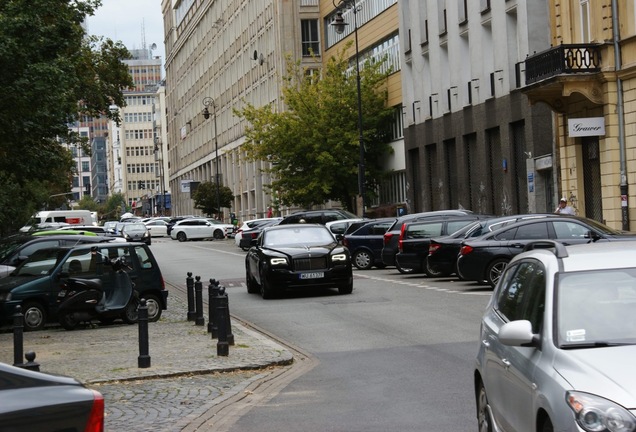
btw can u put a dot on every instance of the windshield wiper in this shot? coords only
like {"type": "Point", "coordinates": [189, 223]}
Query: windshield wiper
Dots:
{"type": "Point", "coordinates": [596, 344]}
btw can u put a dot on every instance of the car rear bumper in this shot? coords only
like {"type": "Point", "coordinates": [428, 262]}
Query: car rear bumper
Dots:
{"type": "Point", "coordinates": [408, 260]}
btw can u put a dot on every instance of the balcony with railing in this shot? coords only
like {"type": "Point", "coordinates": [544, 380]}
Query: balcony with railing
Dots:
{"type": "Point", "coordinates": [563, 60]}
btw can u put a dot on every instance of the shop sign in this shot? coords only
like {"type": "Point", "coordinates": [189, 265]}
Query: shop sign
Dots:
{"type": "Point", "coordinates": [589, 126]}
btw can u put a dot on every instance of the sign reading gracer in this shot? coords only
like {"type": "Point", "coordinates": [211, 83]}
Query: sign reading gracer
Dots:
{"type": "Point", "coordinates": [589, 126]}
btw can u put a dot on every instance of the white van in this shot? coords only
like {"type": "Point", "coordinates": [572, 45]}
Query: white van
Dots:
{"type": "Point", "coordinates": [70, 217]}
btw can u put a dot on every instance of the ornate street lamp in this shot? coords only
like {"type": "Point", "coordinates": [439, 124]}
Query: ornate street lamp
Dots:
{"type": "Point", "coordinates": [207, 101]}
{"type": "Point", "coordinates": [339, 26]}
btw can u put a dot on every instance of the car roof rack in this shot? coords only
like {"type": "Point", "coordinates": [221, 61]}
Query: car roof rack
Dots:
{"type": "Point", "coordinates": [558, 248]}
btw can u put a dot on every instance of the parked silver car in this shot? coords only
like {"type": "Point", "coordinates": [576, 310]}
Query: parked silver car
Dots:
{"type": "Point", "coordinates": [558, 342]}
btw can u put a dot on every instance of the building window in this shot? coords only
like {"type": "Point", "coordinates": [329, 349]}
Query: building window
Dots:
{"type": "Point", "coordinates": [585, 21]}
{"type": "Point", "coordinates": [310, 42]}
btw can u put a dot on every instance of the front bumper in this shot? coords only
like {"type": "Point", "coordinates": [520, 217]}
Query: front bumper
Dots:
{"type": "Point", "coordinates": [288, 279]}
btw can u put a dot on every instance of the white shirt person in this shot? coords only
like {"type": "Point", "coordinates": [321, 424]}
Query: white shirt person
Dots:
{"type": "Point", "coordinates": [564, 208]}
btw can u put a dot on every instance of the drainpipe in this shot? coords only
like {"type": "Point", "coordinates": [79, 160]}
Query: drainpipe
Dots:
{"type": "Point", "coordinates": [621, 118]}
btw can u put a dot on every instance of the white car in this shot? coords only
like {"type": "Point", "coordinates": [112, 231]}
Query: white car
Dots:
{"type": "Point", "coordinates": [227, 228]}
{"type": "Point", "coordinates": [157, 227]}
{"type": "Point", "coordinates": [198, 228]}
{"type": "Point", "coordinates": [249, 225]}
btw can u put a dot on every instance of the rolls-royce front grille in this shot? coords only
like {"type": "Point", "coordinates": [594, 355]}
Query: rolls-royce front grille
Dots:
{"type": "Point", "coordinates": [318, 263]}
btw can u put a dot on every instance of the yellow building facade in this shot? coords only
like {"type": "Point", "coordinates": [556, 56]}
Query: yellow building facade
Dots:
{"type": "Point", "coordinates": [588, 78]}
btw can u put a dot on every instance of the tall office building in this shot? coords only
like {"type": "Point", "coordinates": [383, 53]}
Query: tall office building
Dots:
{"type": "Point", "coordinates": [136, 167]}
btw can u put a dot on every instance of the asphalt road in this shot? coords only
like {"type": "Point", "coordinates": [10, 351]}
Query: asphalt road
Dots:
{"type": "Point", "coordinates": [397, 354]}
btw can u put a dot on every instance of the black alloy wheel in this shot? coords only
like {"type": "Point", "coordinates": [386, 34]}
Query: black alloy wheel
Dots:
{"type": "Point", "coordinates": [252, 286]}
{"type": "Point", "coordinates": [130, 315]}
{"type": "Point", "coordinates": [218, 234]}
{"type": "Point", "coordinates": [495, 270]}
{"type": "Point", "coordinates": [431, 271]}
{"type": "Point", "coordinates": [181, 236]}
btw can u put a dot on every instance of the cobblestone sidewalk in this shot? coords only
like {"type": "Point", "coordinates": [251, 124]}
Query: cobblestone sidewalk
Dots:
{"type": "Point", "coordinates": [185, 379]}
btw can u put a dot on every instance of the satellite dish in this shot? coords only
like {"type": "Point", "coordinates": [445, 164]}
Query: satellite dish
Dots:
{"type": "Point", "coordinates": [153, 46]}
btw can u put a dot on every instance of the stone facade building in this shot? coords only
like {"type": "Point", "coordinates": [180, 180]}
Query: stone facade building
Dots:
{"type": "Point", "coordinates": [588, 79]}
{"type": "Point", "coordinates": [472, 139]}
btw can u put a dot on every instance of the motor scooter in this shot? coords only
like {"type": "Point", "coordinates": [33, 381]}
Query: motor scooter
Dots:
{"type": "Point", "coordinates": [82, 300]}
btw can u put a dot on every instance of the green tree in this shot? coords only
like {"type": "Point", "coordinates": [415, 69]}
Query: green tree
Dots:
{"type": "Point", "coordinates": [114, 207]}
{"type": "Point", "coordinates": [52, 74]}
{"type": "Point", "coordinates": [205, 198]}
{"type": "Point", "coordinates": [313, 145]}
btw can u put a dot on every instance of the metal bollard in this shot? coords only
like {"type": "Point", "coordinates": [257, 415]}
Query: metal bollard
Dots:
{"type": "Point", "coordinates": [213, 292]}
{"type": "Point", "coordinates": [222, 345]}
{"type": "Point", "coordinates": [143, 361]}
{"type": "Point", "coordinates": [31, 364]}
{"type": "Point", "coordinates": [198, 291]}
{"type": "Point", "coordinates": [18, 336]}
{"type": "Point", "coordinates": [190, 293]}
{"type": "Point", "coordinates": [228, 327]}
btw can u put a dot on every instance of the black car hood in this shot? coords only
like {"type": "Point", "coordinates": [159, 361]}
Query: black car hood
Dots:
{"type": "Point", "coordinates": [304, 250]}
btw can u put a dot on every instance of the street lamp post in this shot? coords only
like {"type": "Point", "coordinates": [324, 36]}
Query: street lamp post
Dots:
{"type": "Point", "coordinates": [339, 26]}
{"type": "Point", "coordinates": [207, 101]}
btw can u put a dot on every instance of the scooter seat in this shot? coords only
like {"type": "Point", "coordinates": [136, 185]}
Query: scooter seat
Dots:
{"type": "Point", "coordinates": [95, 284]}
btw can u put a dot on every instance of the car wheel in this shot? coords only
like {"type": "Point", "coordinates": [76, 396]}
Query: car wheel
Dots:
{"type": "Point", "coordinates": [484, 422]}
{"type": "Point", "coordinates": [218, 235]}
{"type": "Point", "coordinates": [495, 269]}
{"type": "Point", "coordinates": [154, 307]}
{"type": "Point", "coordinates": [252, 287]}
{"type": "Point", "coordinates": [68, 321]}
{"type": "Point", "coordinates": [404, 270]}
{"type": "Point", "coordinates": [181, 236]}
{"type": "Point", "coordinates": [363, 260]}
{"type": "Point", "coordinates": [431, 271]}
{"type": "Point", "coordinates": [267, 292]}
{"type": "Point", "coordinates": [346, 288]}
{"type": "Point", "coordinates": [34, 316]}
{"type": "Point", "coordinates": [131, 314]}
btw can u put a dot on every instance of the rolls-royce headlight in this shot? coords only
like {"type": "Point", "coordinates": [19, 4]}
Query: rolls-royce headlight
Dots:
{"type": "Point", "coordinates": [278, 261]}
{"type": "Point", "coordinates": [339, 257]}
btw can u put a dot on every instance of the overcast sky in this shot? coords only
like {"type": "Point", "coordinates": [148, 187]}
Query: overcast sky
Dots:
{"type": "Point", "coordinates": [123, 20]}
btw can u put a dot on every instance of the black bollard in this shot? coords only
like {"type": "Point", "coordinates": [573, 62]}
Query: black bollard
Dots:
{"type": "Point", "coordinates": [18, 337]}
{"type": "Point", "coordinates": [222, 345]}
{"type": "Point", "coordinates": [190, 293]}
{"type": "Point", "coordinates": [198, 291]}
{"type": "Point", "coordinates": [228, 325]}
{"type": "Point", "coordinates": [213, 292]}
{"type": "Point", "coordinates": [143, 361]}
{"type": "Point", "coordinates": [31, 364]}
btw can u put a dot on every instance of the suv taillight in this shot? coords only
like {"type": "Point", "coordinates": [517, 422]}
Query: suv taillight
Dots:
{"type": "Point", "coordinates": [387, 238]}
{"type": "Point", "coordinates": [432, 248]}
{"type": "Point", "coordinates": [465, 250]}
{"type": "Point", "coordinates": [95, 421]}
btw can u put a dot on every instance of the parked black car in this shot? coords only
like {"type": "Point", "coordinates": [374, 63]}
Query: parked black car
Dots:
{"type": "Point", "coordinates": [365, 240]}
{"type": "Point", "coordinates": [317, 216]}
{"type": "Point", "coordinates": [249, 236]}
{"type": "Point", "coordinates": [415, 238]}
{"type": "Point", "coordinates": [485, 258]}
{"type": "Point", "coordinates": [443, 251]}
{"type": "Point", "coordinates": [297, 256]}
{"type": "Point", "coordinates": [36, 283]}
{"type": "Point", "coordinates": [34, 401]}
{"type": "Point", "coordinates": [392, 236]}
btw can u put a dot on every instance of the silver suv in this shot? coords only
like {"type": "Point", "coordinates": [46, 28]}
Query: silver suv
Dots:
{"type": "Point", "coordinates": [558, 341]}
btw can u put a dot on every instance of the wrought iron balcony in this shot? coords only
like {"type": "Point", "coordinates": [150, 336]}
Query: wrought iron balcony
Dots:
{"type": "Point", "coordinates": [563, 59]}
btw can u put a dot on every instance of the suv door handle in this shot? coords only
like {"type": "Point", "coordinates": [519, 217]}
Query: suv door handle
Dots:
{"type": "Point", "coordinates": [518, 245]}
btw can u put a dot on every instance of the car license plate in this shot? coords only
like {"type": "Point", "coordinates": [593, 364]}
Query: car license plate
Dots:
{"type": "Point", "coordinates": [314, 275]}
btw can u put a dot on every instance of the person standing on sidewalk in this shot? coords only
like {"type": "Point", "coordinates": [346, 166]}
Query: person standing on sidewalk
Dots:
{"type": "Point", "coordinates": [564, 208]}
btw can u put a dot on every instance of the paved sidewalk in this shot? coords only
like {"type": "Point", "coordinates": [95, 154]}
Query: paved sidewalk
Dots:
{"type": "Point", "coordinates": [186, 377]}
{"type": "Point", "coordinates": [176, 347]}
